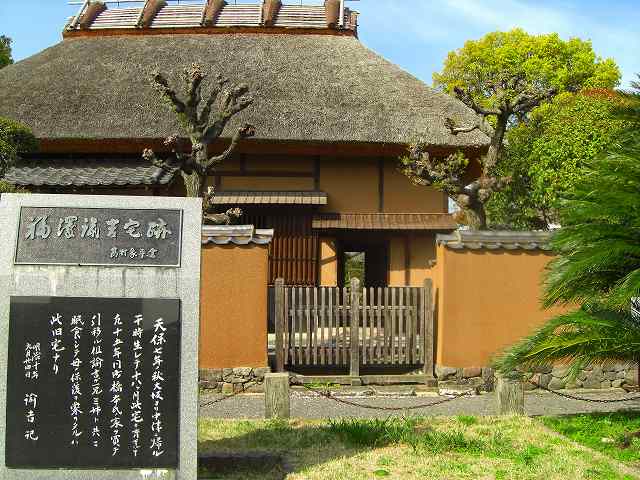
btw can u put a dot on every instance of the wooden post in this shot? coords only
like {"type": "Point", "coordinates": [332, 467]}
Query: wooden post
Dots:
{"type": "Point", "coordinates": [280, 319]}
{"type": "Point", "coordinates": [276, 396]}
{"type": "Point", "coordinates": [354, 333]}
{"type": "Point", "coordinates": [428, 330]}
{"type": "Point", "coordinates": [510, 396]}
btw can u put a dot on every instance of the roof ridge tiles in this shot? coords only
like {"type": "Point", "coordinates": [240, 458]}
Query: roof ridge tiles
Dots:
{"type": "Point", "coordinates": [213, 13]}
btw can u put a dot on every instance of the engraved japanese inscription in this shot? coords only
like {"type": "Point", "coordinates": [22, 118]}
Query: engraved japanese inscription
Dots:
{"type": "Point", "coordinates": [97, 236]}
{"type": "Point", "coordinates": [93, 383]}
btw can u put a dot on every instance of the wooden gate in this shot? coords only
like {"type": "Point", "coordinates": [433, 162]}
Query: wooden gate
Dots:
{"type": "Point", "coordinates": [353, 326]}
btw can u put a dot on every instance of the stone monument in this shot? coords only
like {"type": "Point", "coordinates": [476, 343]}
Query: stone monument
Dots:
{"type": "Point", "coordinates": [99, 309]}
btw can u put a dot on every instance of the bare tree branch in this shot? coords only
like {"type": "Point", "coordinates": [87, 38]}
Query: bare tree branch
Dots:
{"type": "Point", "coordinates": [465, 97]}
{"type": "Point", "coordinates": [162, 86]}
{"type": "Point", "coordinates": [523, 103]}
{"type": "Point", "coordinates": [221, 82]}
{"type": "Point", "coordinates": [451, 125]}
{"type": "Point", "coordinates": [246, 131]}
{"type": "Point", "coordinates": [193, 78]}
{"type": "Point", "coordinates": [150, 156]}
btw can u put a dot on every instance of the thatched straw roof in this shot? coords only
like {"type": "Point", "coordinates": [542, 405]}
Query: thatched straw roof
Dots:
{"type": "Point", "coordinates": [308, 87]}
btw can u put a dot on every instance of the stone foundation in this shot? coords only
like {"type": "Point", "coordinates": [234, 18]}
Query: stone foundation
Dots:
{"type": "Point", "coordinates": [233, 380]}
{"type": "Point", "coordinates": [614, 375]}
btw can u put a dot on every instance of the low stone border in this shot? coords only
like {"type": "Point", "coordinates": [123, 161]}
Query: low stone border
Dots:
{"type": "Point", "coordinates": [614, 375]}
{"type": "Point", "coordinates": [232, 380]}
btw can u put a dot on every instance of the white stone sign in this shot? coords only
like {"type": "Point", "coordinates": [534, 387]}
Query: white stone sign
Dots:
{"type": "Point", "coordinates": [86, 388]}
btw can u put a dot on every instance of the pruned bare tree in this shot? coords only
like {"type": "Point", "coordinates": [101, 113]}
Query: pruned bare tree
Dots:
{"type": "Point", "coordinates": [448, 174]}
{"type": "Point", "coordinates": [203, 120]}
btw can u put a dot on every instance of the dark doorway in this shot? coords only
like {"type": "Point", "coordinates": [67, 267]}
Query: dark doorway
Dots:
{"type": "Point", "coordinates": [367, 259]}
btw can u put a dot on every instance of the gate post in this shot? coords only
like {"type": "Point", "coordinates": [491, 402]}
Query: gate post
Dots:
{"type": "Point", "coordinates": [510, 396]}
{"type": "Point", "coordinates": [280, 319]}
{"type": "Point", "coordinates": [354, 335]}
{"type": "Point", "coordinates": [428, 334]}
{"type": "Point", "coordinates": [276, 396]}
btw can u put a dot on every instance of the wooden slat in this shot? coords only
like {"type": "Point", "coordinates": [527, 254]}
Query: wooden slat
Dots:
{"type": "Point", "coordinates": [401, 325]}
{"type": "Point", "coordinates": [281, 320]}
{"type": "Point", "coordinates": [307, 312]}
{"type": "Point", "coordinates": [393, 326]}
{"type": "Point", "coordinates": [336, 335]}
{"type": "Point", "coordinates": [299, 314]}
{"type": "Point", "coordinates": [421, 326]}
{"type": "Point", "coordinates": [314, 329]}
{"type": "Point", "coordinates": [287, 331]}
{"type": "Point", "coordinates": [379, 350]}
{"type": "Point", "coordinates": [293, 326]}
{"type": "Point", "coordinates": [429, 328]}
{"type": "Point", "coordinates": [332, 335]}
{"type": "Point", "coordinates": [372, 322]}
{"type": "Point", "coordinates": [414, 326]}
{"type": "Point", "coordinates": [323, 326]}
{"type": "Point", "coordinates": [387, 327]}
{"type": "Point", "coordinates": [345, 324]}
{"type": "Point", "coordinates": [364, 325]}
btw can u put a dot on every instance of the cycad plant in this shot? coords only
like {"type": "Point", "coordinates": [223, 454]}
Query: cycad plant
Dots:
{"type": "Point", "coordinates": [597, 268]}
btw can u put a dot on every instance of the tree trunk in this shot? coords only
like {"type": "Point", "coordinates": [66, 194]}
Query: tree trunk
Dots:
{"type": "Point", "coordinates": [495, 148]}
{"type": "Point", "coordinates": [193, 184]}
{"type": "Point", "coordinates": [476, 217]}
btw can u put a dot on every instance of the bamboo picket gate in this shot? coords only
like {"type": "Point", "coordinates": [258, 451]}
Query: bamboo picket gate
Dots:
{"type": "Point", "coordinates": [332, 326]}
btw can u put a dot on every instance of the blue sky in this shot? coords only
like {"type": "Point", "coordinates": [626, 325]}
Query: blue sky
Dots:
{"type": "Point", "coordinates": [415, 34]}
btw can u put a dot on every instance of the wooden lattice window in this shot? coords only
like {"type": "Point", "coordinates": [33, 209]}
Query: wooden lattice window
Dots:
{"type": "Point", "coordinates": [293, 253]}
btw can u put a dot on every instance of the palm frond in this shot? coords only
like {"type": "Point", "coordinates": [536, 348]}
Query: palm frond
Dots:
{"type": "Point", "coordinates": [579, 338]}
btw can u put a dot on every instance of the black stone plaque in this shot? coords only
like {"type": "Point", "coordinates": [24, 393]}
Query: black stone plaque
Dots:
{"type": "Point", "coordinates": [99, 236]}
{"type": "Point", "coordinates": [93, 383]}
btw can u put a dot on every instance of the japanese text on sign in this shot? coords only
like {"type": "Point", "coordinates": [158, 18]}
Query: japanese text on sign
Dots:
{"type": "Point", "coordinates": [53, 235]}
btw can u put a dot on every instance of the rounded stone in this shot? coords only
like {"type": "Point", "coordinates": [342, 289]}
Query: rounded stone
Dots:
{"type": "Point", "coordinates": [243, 371]}
{"type": "Point", "coordinates": [544, 379]}
{"type": "Point", "coordinates": [227, 388]}
{"type": "Point", "coordinates": [612, 375]}
{"type": "Point", "coordinates": [573, 384]}
{"type": "Point", "coordinates": [471, 372]}
{"type": "Point", "coordinates": [631, 376]}
{"type": "Point", "coordinates": [445, 373]}
{"type": "Point", "coordinates": [593, 381]}
{"type": "Point", "coordinates": [261, 372]}
{"type": "Point", "coordinates": [560, 372]}
{"type": "Point", "coordinates": [556, 384]}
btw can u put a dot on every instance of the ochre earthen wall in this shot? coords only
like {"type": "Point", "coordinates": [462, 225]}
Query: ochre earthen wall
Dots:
{"type": "Point", "coordinates": [486, 300]}
{"type": "Point", "coordinates": [233, 306]}
{"type": "Point", "coordinates": [401, 196]}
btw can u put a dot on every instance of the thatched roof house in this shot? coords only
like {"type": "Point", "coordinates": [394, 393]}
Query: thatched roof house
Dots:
{"type": "Point", "coordinates": [331, 117]}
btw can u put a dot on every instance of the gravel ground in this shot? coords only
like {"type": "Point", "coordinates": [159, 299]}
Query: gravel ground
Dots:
{"type": "Point", "coordinates": [309, 406]}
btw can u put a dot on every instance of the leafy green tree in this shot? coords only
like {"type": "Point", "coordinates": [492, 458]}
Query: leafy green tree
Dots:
{"type": "Point", "coordinates": [547, 154]}
{"type": "Point", "coordinates": [503, 77]}
{"type": "Point", "coordinates": [15, 138]}
{"type": "Point", "coordinates": [5, 51]}
{"type": "Point", "coordinates": [598, 267]}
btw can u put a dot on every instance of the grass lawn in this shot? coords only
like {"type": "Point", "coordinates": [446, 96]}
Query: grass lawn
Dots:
{"type": "Point", "coordinates": [603, 432]}
{"type": "Point", "coordinates": [427, 448]}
